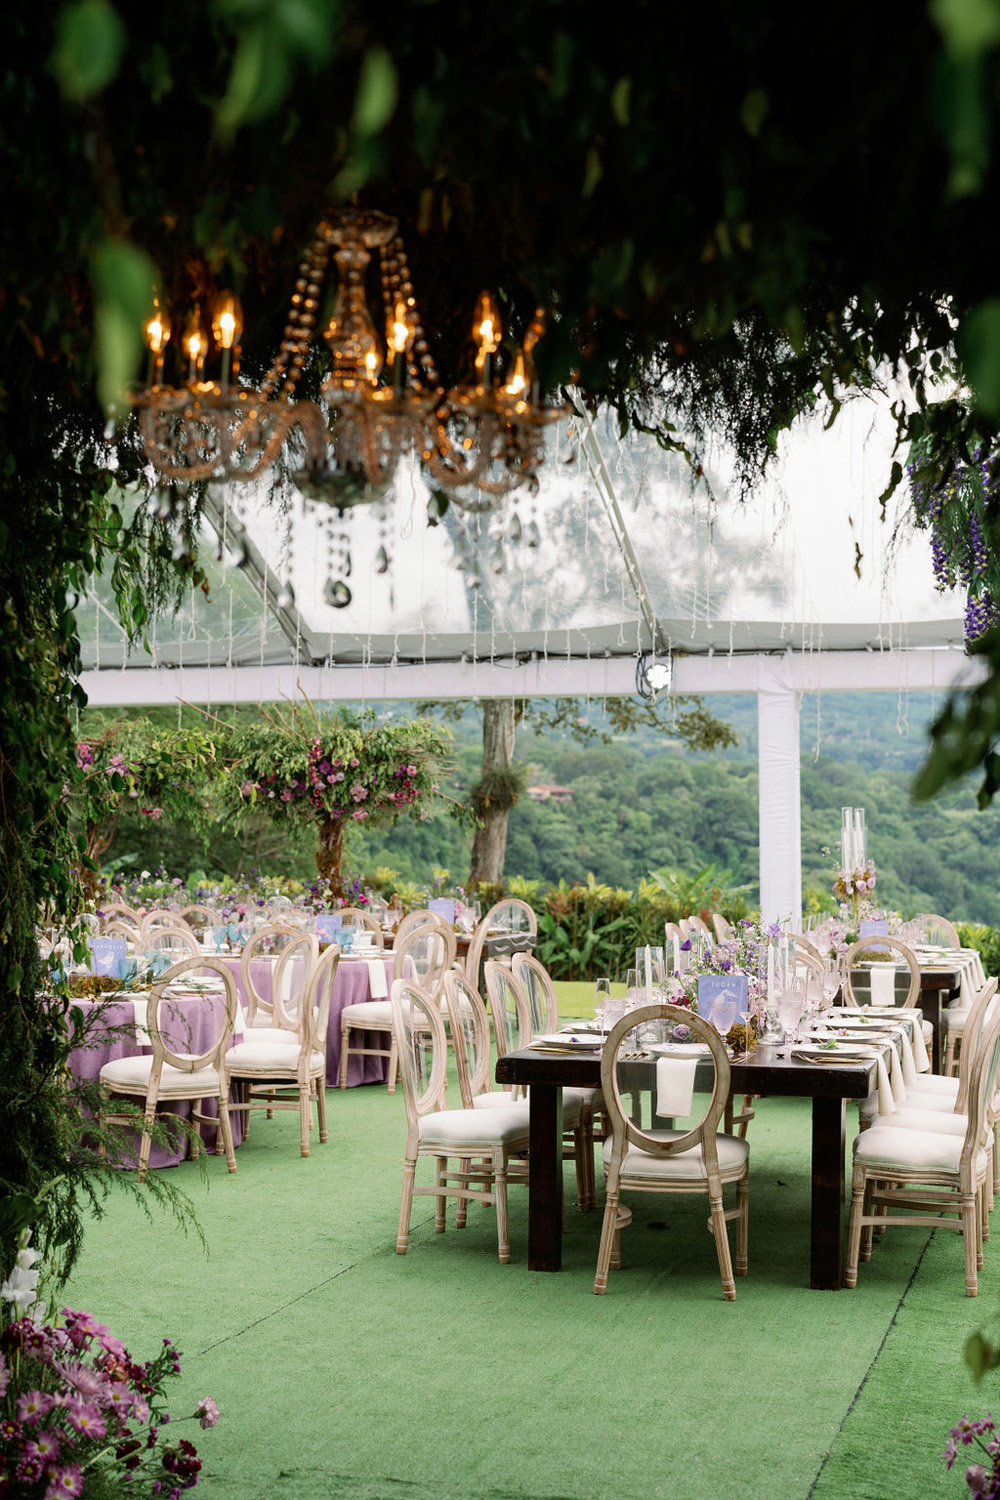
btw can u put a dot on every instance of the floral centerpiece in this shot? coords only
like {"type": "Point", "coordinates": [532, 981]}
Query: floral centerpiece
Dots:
{"type": "Point", "coordinates": [853, 887]}
{"type": "Point", "coordinates": [78, 1415]}
{"type": "Point", "coordinates": [745, 952]}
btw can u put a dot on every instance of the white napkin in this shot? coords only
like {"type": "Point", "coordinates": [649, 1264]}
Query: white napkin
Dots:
{"type": "Point", "coordinates": [883, 984]}
{"type": "Point", "coordinates": [139, 1017]}
{"type": "Point", "coordinates": [240, 1023]}
{"type": "Point", "coordinates": [377, 987]}
{"type": "Point", "coordinates": [978, 972]}
{"type": "Point", "coordinates": [675, 1085]}
{"type": "Point", "coordinates": [896, 1077]}
{"type": "Point", "coordinates": [966, 987]}
{"type": "Point", "coordinates": [906, 1057]}
{"type": "Point", "coordinates": [920, 1057]}
{"type": "Point", "coordinates": [886, 1103]}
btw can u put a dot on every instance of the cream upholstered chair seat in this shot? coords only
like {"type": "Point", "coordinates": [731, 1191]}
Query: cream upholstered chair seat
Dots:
{"type": "Point", "coordinates": [368, 1015]}
{"type": "Point", "coordinates": [473, 1130]}
{"type": "Point", "coordinates": [639, 1166]}
{"type": "Point", "coordinates": [130, 1074]}
{"type": "Point", "coordinates": [923, 1150]}
{"type": "Point", "coordinates": [263, 1058]}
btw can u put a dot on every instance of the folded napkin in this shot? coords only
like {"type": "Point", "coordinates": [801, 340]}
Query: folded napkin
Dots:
{"type": "Point", "coordinates": [920, 1058]}
{"type": "Point", "coordinates": [978, 972]}
{"type": "Point", "coordinates": [883, 984]}
{"type": "Point", "coordinates": [966, 987]}
{"type": "Point", "coordinates": [886, 1099]}
{"type": "Point", "coordinates": [675, 1085]}
{"type": "Point", "coordinates": [377, 987]}
{"type": "Point", "coordinates": [240, 1023]}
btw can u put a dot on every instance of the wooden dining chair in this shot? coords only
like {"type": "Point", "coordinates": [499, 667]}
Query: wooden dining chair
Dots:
{"type": "Point", "coordinates": [510, 921]}
{"type": "Point", "coordinates": [173, 1076]}
{"type": "Point", "coordinates": [472, 1138]}
{"type": "Point", "coordinates": [510, 1009]}
{"type": "Point", "coordinates": [693, 1159]}
{"type": "Point", "coordinates": [273, 940]}
{"type": "Point", "coordinates": [271, 1074]}
{"type": "Point", "coordinates": [119, 911]}
{"type": "Point", "coordinates": [928, 1180]}
{"type": "Point", "coordinates": [424, 956]}
{"type": "Point", "coordinates": [356, 916]}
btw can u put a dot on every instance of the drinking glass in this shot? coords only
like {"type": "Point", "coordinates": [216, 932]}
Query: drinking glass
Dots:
{"type": "Point", "coordinates": [602, 994]}
{"type": "Point", "coordinates": [635, 989]}
{"type": "Point", "coordinates": [724, 1014]}
{"type": "Point", "coordinates": [792, 1002]}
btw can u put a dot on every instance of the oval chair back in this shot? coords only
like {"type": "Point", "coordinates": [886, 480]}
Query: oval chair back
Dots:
{"type": "Point", "coordinates": [430, 951]}
{"type": "Point", "coordinates": [290, 981]}
{"type": "Point", "coordinates": [411, 922]}
{"type": "Point", "coordinates": [539, 991]}
{"type": "Point", "coordinates": [469, 1025]}
{"type": "Point", "coordinates": [172, 940]}
{"type": "Point", "coordinates": [356, 916]}
{"type": "Point", "coordinates": [878, 945]}
{"type": "Point", "coordinates": [938, 931]}
{"type": "Point", "coordinates": [420, 1038]}
{"type": "Point", "coordinates": [981, 1013]}
{"type": "Point", "coordinates": [508, 1007]}
{"type": "Point", "coordinates": [276, 936]}
{"type": "Point", "coordinates": [118, 911]}
{"type": "Point", "coordinates": [512, 916]}
{"type": "Point", "coordinates": [211, 1056]}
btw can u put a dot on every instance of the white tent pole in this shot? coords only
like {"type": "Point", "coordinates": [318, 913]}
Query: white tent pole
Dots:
{"type": "Point", "coordinates": [780, 810]}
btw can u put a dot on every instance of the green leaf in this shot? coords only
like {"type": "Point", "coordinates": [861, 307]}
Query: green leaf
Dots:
{"type": "Point", "coordinates": [979, 347]}
{"type": "Point", "coordinates": [378, 90]}
{"type": "Point", "coordinates": [17, 1212]}
{"type": "Point", "coordinates": [980, 1355]}
{"type": "Point", "coordinates": [90, 40]}
{"type": "Point", "coordinates": [967, 27]}
{"type": "Point", "coordinates": [621, 101]}
{"type": "Point", "coordinates": [753, 111]}
{"type": "Point", "coordinates": [124, 279]}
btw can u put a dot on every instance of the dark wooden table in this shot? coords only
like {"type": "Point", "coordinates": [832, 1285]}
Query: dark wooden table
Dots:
{"type": "Point", "coordinates": [764, 1072]}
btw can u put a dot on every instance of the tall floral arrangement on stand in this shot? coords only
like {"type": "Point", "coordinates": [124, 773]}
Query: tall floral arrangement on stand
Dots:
{"type": "Point", "coordinates": [335, 771]}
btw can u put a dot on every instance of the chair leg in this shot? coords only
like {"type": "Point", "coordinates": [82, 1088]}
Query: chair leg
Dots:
{"type": "Point", "coordinates": [405, 1205]}
{"type": "Point", "coordinates": [743, 1224]}
{"type": "Point", "coordinates": [951, 1054]}
{"type": "Point", "coordinates": [321, 1109]}
{"type": "Point", "coordinates": [583, 1141]}
{"type": "Point", "coordinates": [305, 1117]}
{"type": "Point", "coordinates": [970, 1217]}
{"type": "Point", "coordinates": [854, 1230]}
{"type": "Point", "coordinates": [500, 1198]}
{"type": "Point", "coordinates": [144, 1144]}
{"type": "Point", "coordinates": [608, 1236]}
{"type": "Point", "coordinates": [225, 1131]}
{"type": "Point", "coordinates": [345, 1036]}
{"type": "Point", "coordinates": [462, 1204]}
{"type": "Point", "coordinates": [440, 1202]}
{"type": "Point", "coordinates": [393, 1065]}
{"type": "Point", "coordinates": [722, 1247]}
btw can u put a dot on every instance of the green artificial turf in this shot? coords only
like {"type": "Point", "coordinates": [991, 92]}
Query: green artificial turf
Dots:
{"type": "Point", "coordinates": [341, 1368]}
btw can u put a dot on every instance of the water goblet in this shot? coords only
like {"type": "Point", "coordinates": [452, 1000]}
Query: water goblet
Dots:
{"type": "Point", "coordinates": [791, 1005]}
{"type": "Point", "coordinates": [602, 994]}
{"type": "Point", "coordinates": [723, 1015]}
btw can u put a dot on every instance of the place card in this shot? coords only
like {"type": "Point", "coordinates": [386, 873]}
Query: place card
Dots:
{"type": "Point", "coordinates": [723, 999]}
{"type": "Point", "coordinates": [329, 926]}
{"type": "Point", "coordinates": [107, 955]}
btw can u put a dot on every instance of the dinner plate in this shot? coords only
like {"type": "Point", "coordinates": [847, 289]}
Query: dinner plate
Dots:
{"type": "Point", "coordinates": [568, 1041]}
{"type": "Point", "coordinates": [846, 1051]}
{"type": "Point", "coordinates": [679, 1049]}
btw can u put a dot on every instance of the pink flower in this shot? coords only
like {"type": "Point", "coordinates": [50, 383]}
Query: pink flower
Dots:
{"type": "Point", "coordinates": [286, 795]}
{"type": "Point", "coordinates": [33, 1406]}
{"type": "Point", "coordinates": [207, 1412]}
{"type": "Point", "coordinates": [67, 1480]}
{"type": "Point", "coordinates": [359, 813]}
{"type": "Point", "coordinates": [84, 1418]}
{"type": "Point", "coordinates": [411, 770]}
{"type": "Point", "coordinates": [359, 792]}
{"type": "Point", "coordinates": [354, 762]}
{"type": "Point", "coordinates": [4, 1376]}
{"type": "Point", "coordinates": [246, 789]}
{"type": "Point", "coordinates": [44, 1446]}
{"type": "Point", "coordinates": [89, 1383]}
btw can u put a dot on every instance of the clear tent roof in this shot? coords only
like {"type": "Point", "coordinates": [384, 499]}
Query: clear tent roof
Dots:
{"type": "Point", "coordinates": [617, 554]}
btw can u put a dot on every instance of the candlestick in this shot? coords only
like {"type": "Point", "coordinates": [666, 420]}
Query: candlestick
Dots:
{"type": "Point", "coordinates": [649, 975]}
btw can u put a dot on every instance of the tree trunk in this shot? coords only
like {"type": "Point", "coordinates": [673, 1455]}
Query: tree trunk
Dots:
{"type": "Point", "coordinates": [489, 843]}
{"type": "Point", "coordinates": [99, 836]}
{"type": "Point", "coordinates": [331, 847]}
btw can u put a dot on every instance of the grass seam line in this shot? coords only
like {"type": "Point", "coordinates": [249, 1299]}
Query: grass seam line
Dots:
{"type": "Point", "coordinates": [875, 1359]}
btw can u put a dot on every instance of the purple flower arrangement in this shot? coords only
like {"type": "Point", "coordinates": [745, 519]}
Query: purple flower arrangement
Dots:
{"type": "Point", "coordinates": [983, 1479]}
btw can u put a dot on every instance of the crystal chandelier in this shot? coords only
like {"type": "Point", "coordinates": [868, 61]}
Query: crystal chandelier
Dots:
{"type": "Point", "coordinates": [380, 399]}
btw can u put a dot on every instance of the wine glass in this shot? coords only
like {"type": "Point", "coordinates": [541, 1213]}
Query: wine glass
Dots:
{"type": "Point", "coordinates": [602, 994]}
{"type": "Point", "coordinates": [635, 992]}
{"type": "Point", "coordinates": [724, 1010]}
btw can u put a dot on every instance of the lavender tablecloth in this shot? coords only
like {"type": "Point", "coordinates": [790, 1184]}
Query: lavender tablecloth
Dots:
{"type": "Point", "coordinates": [188, 1024]}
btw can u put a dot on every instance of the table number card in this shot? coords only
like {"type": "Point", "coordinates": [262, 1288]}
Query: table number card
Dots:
{"type": "Point", "coordinates": [444, 907]}
{"type": "Point", "coordinates": [874, 927]}
{"type": "Point", "coordinates": [723, 999]}
{"type": "Point", "coordinates": [329, 926]}
{"type": "Point", "coordinates": [107, 955]}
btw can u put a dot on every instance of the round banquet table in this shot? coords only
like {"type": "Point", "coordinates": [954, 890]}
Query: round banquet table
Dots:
{"type": "Point", "coordinates": [351, 986]}
{"type": "Point", "coordinates": [188, 1023]}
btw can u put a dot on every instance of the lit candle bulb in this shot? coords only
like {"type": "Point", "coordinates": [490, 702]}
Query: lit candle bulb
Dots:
{"type": "Point", "coordinates": [227, 325]}
{"type": "Point", "coordinates": [399, 336]}
{"type": "Point", "coordinates": [195, 346]}
{"type": "Point", "coordinates": [157, 338]}
{"type": "Point", "coordinates": [487, 332]}
{"type": "Point", "coordinates": [518, 382]}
